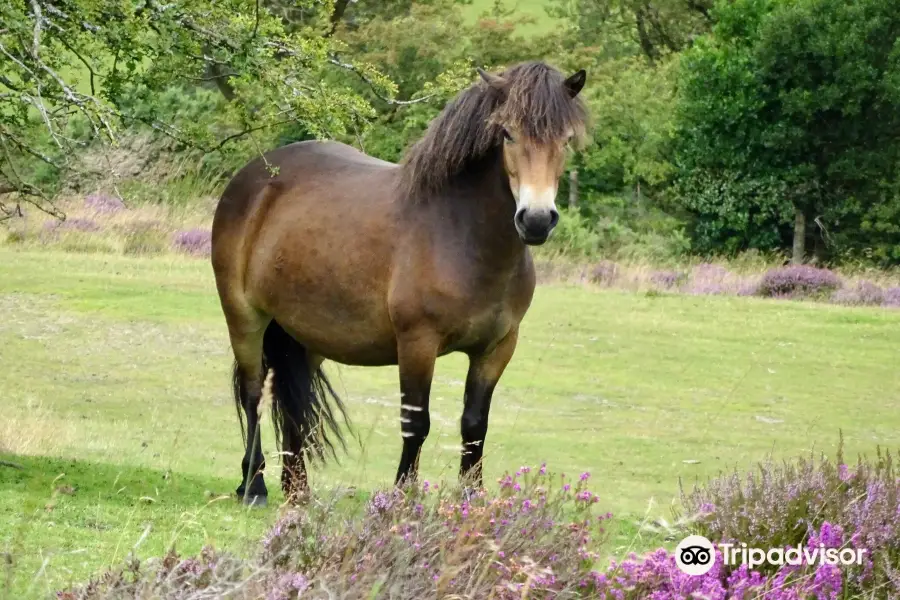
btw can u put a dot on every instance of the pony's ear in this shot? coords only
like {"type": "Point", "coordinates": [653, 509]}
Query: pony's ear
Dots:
{"type": "Point", "coordinates": [575, 82]}
{"type": "Point", "coordinates": [495, 81]}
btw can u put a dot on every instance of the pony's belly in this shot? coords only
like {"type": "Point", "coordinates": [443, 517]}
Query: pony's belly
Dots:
{"type": "Point", "coordinates": [349, 341]}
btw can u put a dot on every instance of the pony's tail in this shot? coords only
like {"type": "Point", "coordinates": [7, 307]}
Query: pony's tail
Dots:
{"type": "Point", "coordinates": [302, 407]}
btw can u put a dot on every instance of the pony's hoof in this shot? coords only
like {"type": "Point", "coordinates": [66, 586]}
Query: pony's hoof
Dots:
{"type": "Point", "coordinates": [255, 501]}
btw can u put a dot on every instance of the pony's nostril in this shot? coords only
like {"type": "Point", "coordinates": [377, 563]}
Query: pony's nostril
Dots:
{"type": "Point", "coordinates": [554, 218]}
{"type": "Point", "coordinates": [520, 217]}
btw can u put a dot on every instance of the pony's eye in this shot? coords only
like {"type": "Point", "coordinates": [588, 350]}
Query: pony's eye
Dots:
{"type": "Point", "coordinates": [507, 137]}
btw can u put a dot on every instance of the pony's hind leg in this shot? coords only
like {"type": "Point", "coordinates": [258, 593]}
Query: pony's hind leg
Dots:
{"type": "Point", "coordinates": [303, 408]}
{"type": "Point", "coordinates": [248, 381]}
{"type": "Point", "coordinates": [485, 371]}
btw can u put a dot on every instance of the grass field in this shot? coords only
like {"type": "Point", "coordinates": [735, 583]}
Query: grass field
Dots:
{"type": "Point", "coordinates": [118, 431]}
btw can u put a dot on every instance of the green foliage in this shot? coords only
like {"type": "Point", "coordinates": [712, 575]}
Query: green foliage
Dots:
{"type": "Point", "coordinates": [793, 105]}
{"type": "Point", "coordinates": [430, 49]}
{"type": "Point", "coordinates": [83, 74]}
{"type": "Point", "coordinates": [605, 29]}
{"type": "Point", "coordinates": [779, 105]}
{"type": "Point", "coordinates": [631, 106]}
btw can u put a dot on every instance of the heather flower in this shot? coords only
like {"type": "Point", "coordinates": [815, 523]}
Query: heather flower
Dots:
{"type": "Point", "coordinates": [541, 542]}
{"type": "Point", "coordinates": [197, 242]}
{"type": "Point", "coordinates": [666, 279]}
{"type": "Point", "coordinates": [604, 273]}
{"type": "Point", "coordinates": [79, 224]}
{"type": "Point", "coordinates": [288, 586]}
{"type": "Point", "coordinates": [891, 297]}
{"type": "Point", "coordinates": [798, 281]}
{"type": "Point", "coordinates": [708, 288]}
{"type": "Point", "coordinates": [811, 502]}
{"type": "Point", "coordinates": [748, 288]}
{"type": "Point", "coordinates": [103, 204]}
{"type": "Point", "coordinates": [864, 293]}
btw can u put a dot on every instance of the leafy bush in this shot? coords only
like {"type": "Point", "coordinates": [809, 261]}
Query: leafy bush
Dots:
{"type": "Point", "coordinates": [810, 501]}
{"type": "Point", "coordinates": [798, 281]}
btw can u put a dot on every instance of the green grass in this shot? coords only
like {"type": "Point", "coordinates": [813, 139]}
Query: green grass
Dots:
{"type": "Point", "coordinates": [115, 382]}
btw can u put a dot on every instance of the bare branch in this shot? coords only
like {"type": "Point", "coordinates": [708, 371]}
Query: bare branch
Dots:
{"type": "Point", "coordinates": [38, 19]}
{"type": "Point", "coordinates": [352, 68]}
{"type": "Point", "coordinates": [223, 142]}
{"type": "Point", "coordinates": [4, 133]}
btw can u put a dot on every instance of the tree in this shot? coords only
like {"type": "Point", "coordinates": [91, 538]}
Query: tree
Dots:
{"type": "Point", "coordinates": [76, 72]}
{"type": "Point", "coordinates": [653, 28]}
{"type": "Point", "coordinates": [430, 50]}
{"type": "Point", "coordinates": [789, 128]}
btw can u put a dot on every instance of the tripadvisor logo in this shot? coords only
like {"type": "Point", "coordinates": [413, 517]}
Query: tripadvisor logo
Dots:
{"type": "Point", "coordinates": [695, 555]}
{"type": "Point", "coordinates": [797, 555]}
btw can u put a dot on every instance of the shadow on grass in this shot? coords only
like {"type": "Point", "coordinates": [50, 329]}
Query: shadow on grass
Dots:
{"type": "Point", "coordinates": [63, 519]}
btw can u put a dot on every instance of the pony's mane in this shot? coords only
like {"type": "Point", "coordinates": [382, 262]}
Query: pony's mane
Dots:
{"type": "Point", "coordinates": [533, 101]}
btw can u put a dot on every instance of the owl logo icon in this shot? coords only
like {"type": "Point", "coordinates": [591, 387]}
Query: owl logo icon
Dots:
{"type": "Point", "coordinates": [695, 555]}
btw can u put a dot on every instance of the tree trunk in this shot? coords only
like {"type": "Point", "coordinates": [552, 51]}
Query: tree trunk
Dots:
{"type": "Point", "coordinates": [220, 76]}
{"type": "Point", "coordinates": [799, 250]}
{"type": "Point", "coordinates": [573, 188]}
{"type": "Point", "coordinates": [340, 7]}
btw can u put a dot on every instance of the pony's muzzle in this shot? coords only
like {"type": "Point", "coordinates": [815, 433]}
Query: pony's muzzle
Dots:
{"type": "Point", "coordinates": [534, 225]}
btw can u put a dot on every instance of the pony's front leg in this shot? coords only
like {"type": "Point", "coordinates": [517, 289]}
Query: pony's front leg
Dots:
{"type": "Point", "coordinates": [416, 354]}
{"type": "Point", "coordinates": [484, 372]}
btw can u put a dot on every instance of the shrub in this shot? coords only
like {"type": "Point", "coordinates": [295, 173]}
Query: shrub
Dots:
{"type": "Point", "coordinates": [574, 236]}
{"type": "Point", "coordinates": [604, 272]}
{"type": "Point", "coordinates": [196, 242]}
{"type": "Point", "coordinates": [709, 280]}
{"type": "Point", "coordinates": [810, 501]}
{"type": "Point", "coordinates": [535, 537]}
{"type": "Point", "coordinates": [103, 204]}
{"type": "Point", "coordinates": [798, 281]}
{"type": "Point", "coordinates": [748, 288]}
{"type": "Point", "coordinates": [667, 279]}
{"type": "Point", "coordinates": [892, 297]}
{"type": "Point", "coordinates": [76, 224]}
{"type": "Point", "coordinates": [864, 293]}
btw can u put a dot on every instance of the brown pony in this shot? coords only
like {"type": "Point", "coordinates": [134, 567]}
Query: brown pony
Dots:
{"type": "Point", "coordinates": [345, 257]}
